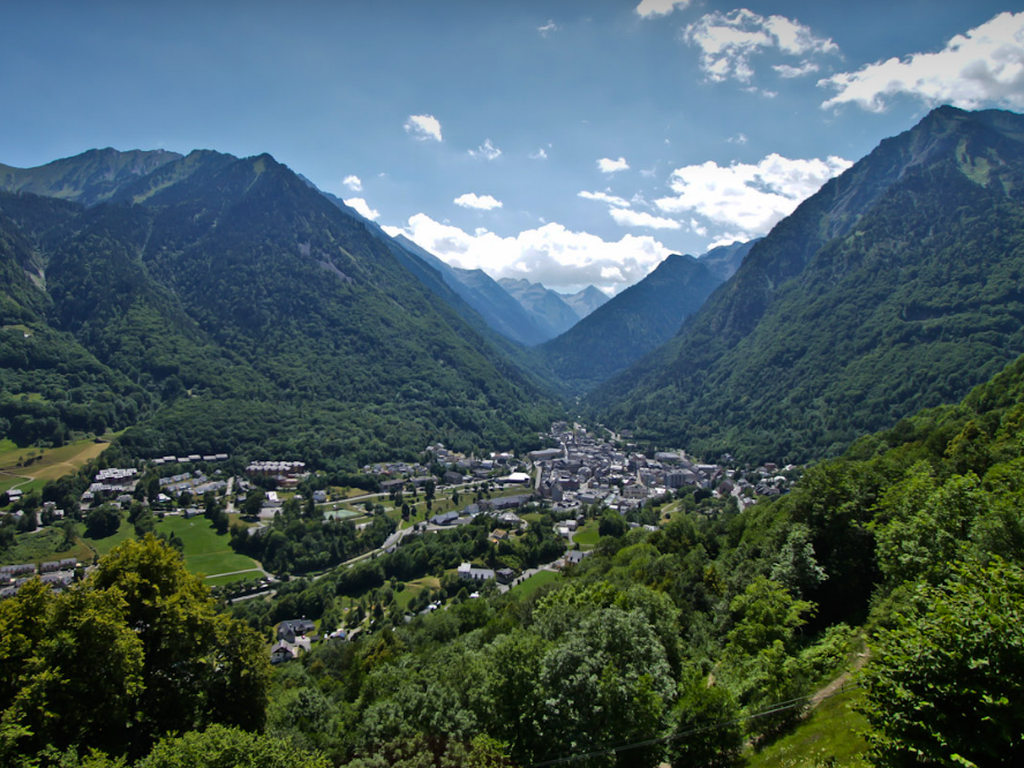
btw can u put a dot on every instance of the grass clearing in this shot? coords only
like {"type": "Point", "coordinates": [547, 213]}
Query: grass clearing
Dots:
{"type": "Point", "coordinates": [587, 536]}
{"type": "Point", "coordinates": [29, 468]}
{"type": "Point", "coordinates": [220, 581]}
{"type": "Point", "coordinates": [205, 551]}
{"type": "Point", "coordinates": [406, 596]}
{"type": "Point", "coordinates": [44, 545]}
{"type": "Point", "coordinates": [831, 735]}
{"type": "Point", "coordinates": [124, 532]}
{"type": "Point", "coordinates": [535, 582]}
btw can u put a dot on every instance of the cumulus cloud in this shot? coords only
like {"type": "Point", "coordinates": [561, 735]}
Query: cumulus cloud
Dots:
{"type": "Point", "coordinates": [354, 183]}
{"type": "Point", "coordinates": [983, 66]}
{"type": "Point", "coordinates": [540, 154]}
{"type": "Point", "coordinates": [789, 72]}
{"type": "Point", "coordinates": [604, 197]}
{"type": "Point", "coordinates": [423, 127]}
{"type": "Point", "coordinates": [547, 29]}
{"type": "Point", "coordinates": [486, 150]}
{"type": "Point", "coordinates": [626, 217]}
{"type": "Point", "coordinates": [607, 165]}
{"type": "Point", "coordinates": [745, 197]}
{"type": "Point", "coordinates": [550, 254]}
{"type": "Point", "coordinates": [727, 41]}
{"type": "Point", "coordinates": [479, 202]}
{"type": "Point", "coordinates": [649, 9]}
{"type": "Point", "coordinates": [362, 208]}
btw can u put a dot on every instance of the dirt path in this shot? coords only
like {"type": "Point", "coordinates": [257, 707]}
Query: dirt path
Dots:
{"type": "Point", "coordinates": [822, 694]}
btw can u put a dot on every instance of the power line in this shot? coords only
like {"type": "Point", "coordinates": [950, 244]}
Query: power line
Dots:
{"type": "Point", "coordinates": [781, 706]}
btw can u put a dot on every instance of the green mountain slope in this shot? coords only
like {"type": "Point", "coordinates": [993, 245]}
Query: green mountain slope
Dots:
{"type": "Point", "coordinates": [896, 287]}
{"type": "Point", "coordinates": [260, 317]}
{"type": "Point", "coordinates": [638, 320]}
{"type": "Point", "coordinates": [89, 178]}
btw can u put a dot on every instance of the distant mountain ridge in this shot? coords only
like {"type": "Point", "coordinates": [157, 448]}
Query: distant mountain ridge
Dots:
{"type": "Point", "coordinates": [896, 287]}
{"type": "Point", "coordinates": [89, 178]}
{"type": "Point", "coordinates": [586, 301]}
{"type": "Point", "coordinates": [548, 310]}
{"type": "Point", "coordinates": [638, 320]}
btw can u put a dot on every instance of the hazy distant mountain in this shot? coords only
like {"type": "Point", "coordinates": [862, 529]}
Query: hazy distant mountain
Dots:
{"type": "Point", "coordinates": [636, 321]}
{"type": "Point", "coordinates": [230, 306]}
{"type": "Point", "coordinates": [586, 301]}
{"type": "Point", "coordinates": [724, 260]}
{"type": "Point", "coordinates": [497, 307]}
{"type": "Point", "coordinates": [898, 286]}
{"type": "Point", "coordinates": [547, 309]}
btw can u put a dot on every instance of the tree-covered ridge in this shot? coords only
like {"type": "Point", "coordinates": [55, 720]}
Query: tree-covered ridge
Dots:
{"type": "Point", "coordinates": [89, 178]}
{"type": "Point", "coordinates": [640, 319]}
{"type": "Point", "coordinates": [253, 312]}
{"type": "Point", "coordinates": [896, 287]}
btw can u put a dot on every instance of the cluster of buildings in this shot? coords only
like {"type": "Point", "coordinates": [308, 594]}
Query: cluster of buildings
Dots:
{"type": "Point", "coordinates": [285, 472]}
{"type": "Point", "coordinates": [192, 458]}
{"type": "Point", "coordinates": [57, 573]}
{"type": "Point", "coordinates": [460, 468]}
{"type": "Point", "coordinates": [587, 469]}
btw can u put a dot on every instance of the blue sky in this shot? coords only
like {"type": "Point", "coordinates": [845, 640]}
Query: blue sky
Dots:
{"type": "Point", "coordinates": [568, 142]}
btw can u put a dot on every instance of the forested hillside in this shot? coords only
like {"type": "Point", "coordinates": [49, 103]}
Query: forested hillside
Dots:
{"type": "Point", "coordinates": [223, 305]}
{"type": "Point", "coordinates": [679, 644]}
{"type": "Point", "coordinates": [897, 286]}
{"type": "Point", "coordinates": [638, 320]}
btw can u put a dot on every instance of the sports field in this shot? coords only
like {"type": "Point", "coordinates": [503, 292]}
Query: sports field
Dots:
{"type": "Point", "coordinates": [207, 553]}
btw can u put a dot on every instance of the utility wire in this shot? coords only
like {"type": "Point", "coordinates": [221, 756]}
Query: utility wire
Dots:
{"type": "Point", "coordinates": [781, 706]}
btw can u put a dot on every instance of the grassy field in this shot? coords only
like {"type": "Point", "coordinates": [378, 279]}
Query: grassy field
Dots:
{"type": "Point", "coordinates": [29, 468]}
{"type": "Point", "coordinates": [103, 546]}
{"type": "Point", "coordinates": [587, 536]}
{"type": "Point", "coordinates": [830, 736]}
{"type": "Point", "coordinates": [206, 552]}
{"type": "Point", "coordinates": [535, 582]}
{"type": "Point", "coordinates": [42, 546]}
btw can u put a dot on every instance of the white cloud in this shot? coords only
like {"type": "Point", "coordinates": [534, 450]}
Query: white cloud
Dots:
{"type": "Point", "coordinates": [727, 41]}
{"type": "Point", "coordinates": [649, 9]}
{"type": "Point", "coordinates": [625, 217]}
{"type": "Point", "coordinates": [547, 29]}
{"type": "Point", "coordinates": [540, 154]}
{"type": "Point", "coordinates": [983, 66]}
{"type": "Point", "coordinates": [739, 138]}
{"type": "Point", "coordinates": [746, 197]}
{"type": "Point", "coordinates": [486, 150]}
{"type": "Point", "coordinates": [550, 254]}
{"type": "Point", "coordinates": [354, 183]}
{"type": "Point", "coordinates": [423, 127]}
{"type": "Point", "coordinates": [805, 68]}
{"type": "Point", "coordinates": [362, 208]}
{"type": "Point", "coordinates": [479, 202]}
{"type": "Point", "coordinates": [607, 165]}
{"type": "Point", "coordinates": [604, 197]}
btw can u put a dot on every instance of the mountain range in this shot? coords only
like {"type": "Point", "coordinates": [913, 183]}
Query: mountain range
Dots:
{"type": "Point", "coordinates": [898, 286]}
{"type": "Point", "coordinates": [217, 303]}
{"type": "Point", "coordinates": [213, 303]}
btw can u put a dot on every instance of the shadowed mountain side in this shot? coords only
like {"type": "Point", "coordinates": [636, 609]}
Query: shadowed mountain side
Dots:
{"type": "Point", "coordinates": [898, 286]}
{"type": "Point", "coordinates": [638, 320]}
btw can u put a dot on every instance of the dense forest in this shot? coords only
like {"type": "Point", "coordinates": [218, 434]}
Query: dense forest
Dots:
{"type": "Point", "coordinates": [677, 644]}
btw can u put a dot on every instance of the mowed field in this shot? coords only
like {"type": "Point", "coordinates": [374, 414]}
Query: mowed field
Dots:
{"type": "Point", "coordinates": [207, 553]}
{"type": "Point", "coordinates": [41, 464]}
